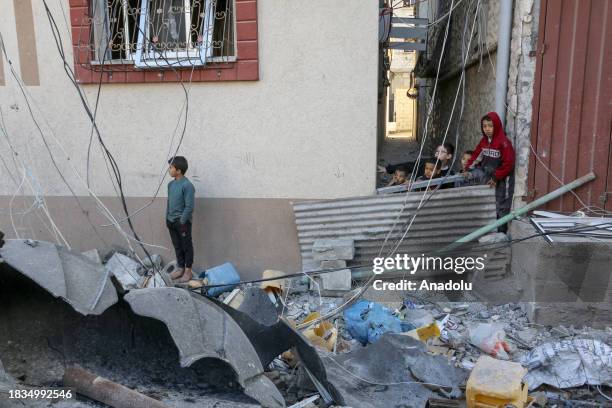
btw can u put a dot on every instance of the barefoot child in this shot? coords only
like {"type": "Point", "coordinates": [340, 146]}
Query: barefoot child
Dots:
{"type": "Point", "coordinates": [181, 195]}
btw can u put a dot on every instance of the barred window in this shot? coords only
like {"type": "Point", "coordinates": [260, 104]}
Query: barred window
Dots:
{"type": "Point", "coordinates": [162, 33]}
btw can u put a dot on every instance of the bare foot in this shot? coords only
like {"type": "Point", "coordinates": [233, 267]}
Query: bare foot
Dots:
{"type": "Point", "coordinates": [186, 276]}
{"type": "Point", "coordinates": [177, 273]}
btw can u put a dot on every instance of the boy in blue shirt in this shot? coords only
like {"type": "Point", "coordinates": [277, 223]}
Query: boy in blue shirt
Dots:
{"type": "Point", "coordinates": [181, 197]}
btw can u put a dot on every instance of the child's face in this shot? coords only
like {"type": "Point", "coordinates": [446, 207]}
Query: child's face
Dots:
{"type": "Point", "coordinates": [400, 176]}
{"type": "Point", "coordinates": [429, 170]}
{"type": "Point", "coordinates": [465, 158]}
{"type": "Point", "coordinates": [442, 154]}
{"type": "Point", "coordinates": [173, 172]}
{"type": "Point", "coordinates": [487, 128]}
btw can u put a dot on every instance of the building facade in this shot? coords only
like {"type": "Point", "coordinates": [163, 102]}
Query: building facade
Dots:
{"type": "Point", "coordinates": [289, 113]}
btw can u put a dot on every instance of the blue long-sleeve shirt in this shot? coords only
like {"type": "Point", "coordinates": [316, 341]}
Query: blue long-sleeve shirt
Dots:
{"type": "Point", "coordinates": [181, 197]}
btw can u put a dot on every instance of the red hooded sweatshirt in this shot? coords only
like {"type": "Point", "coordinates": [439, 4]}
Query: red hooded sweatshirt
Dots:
{"type": "Point", "coordinates": [496, 155]}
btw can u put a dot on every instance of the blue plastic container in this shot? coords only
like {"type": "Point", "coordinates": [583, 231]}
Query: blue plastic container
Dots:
{"type": "Point", "coordinates": [224, 274]}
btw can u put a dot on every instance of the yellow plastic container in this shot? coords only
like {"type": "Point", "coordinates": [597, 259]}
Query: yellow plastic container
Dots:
{"type": "Point", "coordinates": [497, 384]}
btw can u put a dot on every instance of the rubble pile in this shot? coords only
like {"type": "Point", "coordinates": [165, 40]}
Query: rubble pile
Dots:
{"type": "Point", "coordinates": [284, 344]}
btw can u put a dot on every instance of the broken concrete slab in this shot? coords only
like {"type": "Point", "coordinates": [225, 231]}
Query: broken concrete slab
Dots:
{"type": "Point", "coordinates": [206, 331]}
{"type": "Point", "coordinates": [125, 270]}
{"type": "Point", "coordinates": [94, 255]}
{"type": "Point", "coordinates": [333, 249]}
{"type": "Point", "coordinates": [271, 341]}
{"type": "Point", "coordinates": [153, 262]}
{"type": "Point", "coordinates": [256, 303]}
{"type": "Point", "coordinates": [337, 264]}
{"type": "Point", "coordinates": [65, 274]}
{"type": "Point", "coordinates": [394, 371]}
{"type": "Point", "coordinates": [337, 280]}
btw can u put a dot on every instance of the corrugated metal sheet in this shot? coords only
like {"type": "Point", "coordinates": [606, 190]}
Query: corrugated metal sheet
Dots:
{"type": "Point", "coordinates": [447, 216]}
{"type": "Point", "coordinates": [572, 106]}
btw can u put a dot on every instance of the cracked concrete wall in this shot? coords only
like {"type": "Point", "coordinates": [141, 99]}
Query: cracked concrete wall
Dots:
{"type": "Point", "coordinates": [521, 78]}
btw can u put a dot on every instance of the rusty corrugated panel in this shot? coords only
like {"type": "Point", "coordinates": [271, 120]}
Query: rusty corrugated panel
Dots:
{"type": "Point", "coordinates": [572, 116]}
{"type": "Point", "coordinates": [447, 216]}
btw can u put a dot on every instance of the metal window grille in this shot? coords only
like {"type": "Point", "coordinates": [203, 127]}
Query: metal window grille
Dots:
{"type": "Point", "coordinates": [161, 33]}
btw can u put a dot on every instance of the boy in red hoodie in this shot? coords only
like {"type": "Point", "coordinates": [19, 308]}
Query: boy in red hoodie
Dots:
{"type": "Point", "coordinates": [493, 161]}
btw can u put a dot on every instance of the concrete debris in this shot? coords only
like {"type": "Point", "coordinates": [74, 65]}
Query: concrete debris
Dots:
{"type": "Point", "coordinates": [64, 274]}
{"type": "Point", "coordinates": [338, 280]}
{"type": "Point", "coordinates": [154, 280]}
{"type": "Point", "coordinates": [337, 264]}
{"type": "Point", "coordinates": [255, 303]}
{"type": "Point", "coordinates": [94, 255]}
{"type": "Point", "coordinates": [205, 331]}
{"type": "Point", "coordinates": [569, 363]}
{"type": "Point", "coordinates": [106, 391]}
{"type": "Point", "coordinates": [413, 351]}
{"type": "Point", "coordinates": [153, 262]}
{"type": "Point", "coordinates": [125, 269]}
{"type": "Point", "coordinates": [394, 371]}
{"type": "Point", "coordinates": [333, 249]}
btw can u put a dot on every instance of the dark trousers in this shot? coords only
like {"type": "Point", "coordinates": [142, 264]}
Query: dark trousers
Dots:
{"type": "Point", "coordinates": [181, 240]}
{"type": "Point", "coordinates": [504, 190]}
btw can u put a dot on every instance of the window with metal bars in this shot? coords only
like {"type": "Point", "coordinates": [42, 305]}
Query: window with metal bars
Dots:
{"type": "Point", "coordinates": [162, 33]}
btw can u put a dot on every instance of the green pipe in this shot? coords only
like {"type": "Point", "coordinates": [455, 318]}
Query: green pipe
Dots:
{"type": "Point", "coordinates": [523, 210]}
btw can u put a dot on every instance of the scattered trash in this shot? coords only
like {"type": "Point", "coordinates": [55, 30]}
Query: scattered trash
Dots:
{"type": "Point", "coordinates": [490, 338]}
{"type": "Point", "coordinates": [224, 274]}
{"type": "Point", "coordinates": [569, 363]}
{"type": "Point", "coordinates": [323, 335]}
{"type": "Point", "coordinates": [425, 333]}
{"type": "Point", "coordinates": [274, 286]}
{"type": "Point", "coordinates": [367, 321]}
{"type": "Point", "coordinates": [496, 383]}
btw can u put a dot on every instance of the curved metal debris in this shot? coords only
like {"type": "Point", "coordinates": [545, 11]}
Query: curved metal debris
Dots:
{"type": "Point", "coordinates": [202, 329]}
{"type": "Point", "coordinates": [69, 275]}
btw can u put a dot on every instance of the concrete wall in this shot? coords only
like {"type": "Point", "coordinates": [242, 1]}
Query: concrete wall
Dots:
{"type": "Point", "coordinates": [306, 129]}
{"type": "Point", "coordinates": [520, 88]}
